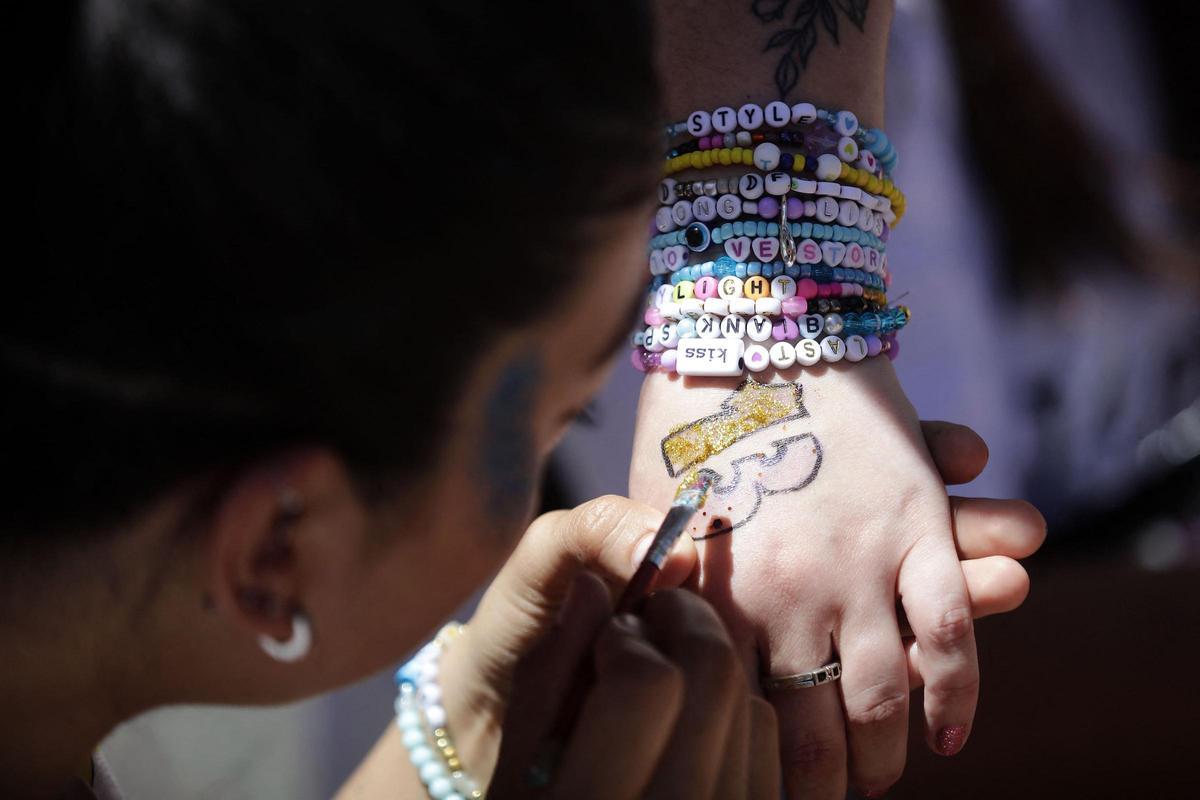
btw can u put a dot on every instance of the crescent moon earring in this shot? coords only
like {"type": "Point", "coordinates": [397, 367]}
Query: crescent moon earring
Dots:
{"type": "Point", "coordinates": [295, 647]}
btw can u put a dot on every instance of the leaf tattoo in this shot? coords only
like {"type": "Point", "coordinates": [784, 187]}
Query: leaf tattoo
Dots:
{"type": "Point", "coordinates": [800, 37]}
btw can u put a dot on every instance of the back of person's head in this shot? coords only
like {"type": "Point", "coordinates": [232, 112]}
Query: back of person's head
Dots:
{"type": "Point", "coordinates": [255, 224]}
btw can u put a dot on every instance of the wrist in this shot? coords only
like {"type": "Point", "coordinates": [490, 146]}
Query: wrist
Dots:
{"type": "Point", "coordinates": [474, 712]}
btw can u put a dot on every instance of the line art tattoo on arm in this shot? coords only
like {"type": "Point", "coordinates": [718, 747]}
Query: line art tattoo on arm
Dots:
{"type": "Point", "coordinates": [789, 464]}
{"type": "Point", "coordinates": [799, 37]}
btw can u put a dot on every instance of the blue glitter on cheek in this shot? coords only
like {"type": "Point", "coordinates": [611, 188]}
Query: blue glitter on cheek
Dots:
{"type": "Point", "coordinates": [508, 458]}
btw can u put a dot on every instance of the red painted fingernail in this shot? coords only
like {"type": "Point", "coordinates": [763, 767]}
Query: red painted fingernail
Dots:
{"type": "Point", "coordinates": [951, 739]}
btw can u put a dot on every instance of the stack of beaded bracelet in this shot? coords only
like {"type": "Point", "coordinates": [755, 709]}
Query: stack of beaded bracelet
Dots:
{"type": "Point", "coordinates": [422, 722]}
{"type": "Point", "coordinates": [708, 315]}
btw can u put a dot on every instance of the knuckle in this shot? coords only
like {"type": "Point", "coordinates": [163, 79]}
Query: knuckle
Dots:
{"type": "Point", "coordinates": [594, 525]}
{"type": "Point", "coordinates": [952, 627]}
{"type": "Point", "coordinates": [712, 656]}
{"type": "Point", "coordinates": [878, 704]}
{"type": "Point", "coordinates": [954, 687]}
{"type": "Point", "coordinates": [810, 753]}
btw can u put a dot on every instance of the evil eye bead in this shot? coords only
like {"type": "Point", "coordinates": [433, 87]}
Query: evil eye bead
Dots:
{"type": "Point", "coordinates": [699, 123]}
{"type": "Point", "coordinates": [697, 237]}
{"type": "Point", "coordinates": [777, 114]}
{"type": "Point", "coordinates": [766, 156]}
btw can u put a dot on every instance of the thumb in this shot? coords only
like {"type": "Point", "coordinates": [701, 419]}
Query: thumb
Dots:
{"type": "Point", "coordinates": [607, 536]}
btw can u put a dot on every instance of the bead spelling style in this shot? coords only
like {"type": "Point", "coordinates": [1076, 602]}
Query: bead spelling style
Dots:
{"type": "Point", "coordinates": [778, 114]}
{"type": "Point", "coordinates": [698, 235]}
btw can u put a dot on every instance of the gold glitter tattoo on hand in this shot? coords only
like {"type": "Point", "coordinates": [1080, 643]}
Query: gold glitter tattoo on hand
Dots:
{"type": "Point", "coordinates": [790, 464]}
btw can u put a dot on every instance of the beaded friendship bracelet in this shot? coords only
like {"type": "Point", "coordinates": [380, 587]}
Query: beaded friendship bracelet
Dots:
{"type": "Point", "coordinates": [421, 719]}
{"type": "Point", "coordinates": [778, 114]}
{"type": "Point", "coordinates": [730, 357]}
{"type": "Point", "coordinates": [730, 207]}
{"type": "Point", "coordinates": [697, 236]}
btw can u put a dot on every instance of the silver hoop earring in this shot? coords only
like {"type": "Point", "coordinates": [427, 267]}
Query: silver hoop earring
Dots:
{"type": "Point", "coordinates": [294, 647]}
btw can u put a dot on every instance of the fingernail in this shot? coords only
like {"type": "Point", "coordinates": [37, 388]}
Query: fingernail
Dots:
{"type": "Point", "coordinates": [629, 623]}
{"type": "Point", "coordinates": [951, 739]}
{"type": "Point", "coordinates": [643, 547]}
{"type": "Point", "coordinates": [871, 794]}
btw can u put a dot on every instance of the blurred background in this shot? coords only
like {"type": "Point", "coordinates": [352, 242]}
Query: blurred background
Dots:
{"type": "Point", "coordinates": [1051, 164]}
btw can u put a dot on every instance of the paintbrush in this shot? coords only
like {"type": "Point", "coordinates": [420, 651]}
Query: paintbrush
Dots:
{"type": "Point", "coordinates": [689, 498]}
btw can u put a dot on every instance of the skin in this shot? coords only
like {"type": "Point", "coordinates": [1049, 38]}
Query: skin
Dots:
{"type": "Point", "coordinates": [817, 573]}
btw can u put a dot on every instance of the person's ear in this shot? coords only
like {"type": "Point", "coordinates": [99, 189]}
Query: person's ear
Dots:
{"type": "Point", "coordinates": [278, 531]}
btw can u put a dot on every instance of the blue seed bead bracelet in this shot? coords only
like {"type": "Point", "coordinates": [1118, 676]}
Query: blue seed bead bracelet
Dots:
{"type": "Point", "coordinates": [725, 266]}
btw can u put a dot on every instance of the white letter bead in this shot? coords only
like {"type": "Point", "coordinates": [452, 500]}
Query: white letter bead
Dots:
{"type": "Point", "coordinates": [803, 113]}
{"type": "Point", "coordinates": [783, 355]}
{"type": "Point", "coordinates": [757, 358]}
{"type": "Point", "coordinates": [724, 119]}
{"type": "Point", "coordinates": [699, 123]}
{"type": "Point", "coordinates": [777, 183]}
{"type": "Point", "coordinates": [783, 287]}
{"type": "Point", "coordinates": [766, 156]}
{"type": "Point", "coordinates": [808, 352]}
{"type": "Point", "coordinates": [808, 252]}
{"type": "Point", "coordinates": [827, 209]}
{"type": "Point", "coordinates": [705, 209]}
{"type": "Point", "coordinates": [758, 328]}
{"type": "Point", "coordinates": [829, 188]}
{"type": "Point", "coordinates": [664, 294]}
{"type": "Point", "coordinates": [729, 287]}
{"type": "Point", "coordinates": [852, 193]}
{"type": "Point", "coordinates": [715, 305]}
{"type": "Point", "coordinates": [811, 325]}
{"type": "Point", "coordinates": [846, 123]}
{"type": "Point", "coordinates": [708, 327]}
{"type": "Point", "coordinates": [829, 167]}
{"type": "Point", "coordinates": [668, 335]}
{"type": "Point", "coordinates": [847, 213]}
{"type": "Point", "coordinates": [856, 348]}
{"type": "Point", "coordinates": [650, 340]}
{"type": "Point", "coordinates": [729, 206]}
{"type": "Point", "coordinates": [742, 306]}
{"type": "Point", "coordinates": [777, 114]}
{"type": "Point", "coordinates": [681, 212]}
{"type": "Point", "coordinates": [733, 327]}
{"type": "Point", "coordinates": [866, 219]}
{"type": "Point", "coordinates": [709, 357]}
{"type": "Point", "coordinates": [664, 220]}
{"type": "Point", "coordinates": [691, 307]}
{"type": "Point", "coordinates": [750, 186]}
{"type": "Point", "coordinates": [666, 192]}
{"type": "Point", "coordinates": [847, 149]}
{"type": "Point", "coordinates": [833, 349]}
{"type": "Point", "coordinates": [670, 311]}
{"type": "Point", "coordinates": [750, 116]}
{"type": "Point", "coordinates": [768, 306]}
{"type": "Point", "coordinates": [657, 267]}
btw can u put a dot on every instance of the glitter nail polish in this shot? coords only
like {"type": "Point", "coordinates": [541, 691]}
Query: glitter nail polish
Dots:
{"type": "Point", "coordinates": [950, 739]}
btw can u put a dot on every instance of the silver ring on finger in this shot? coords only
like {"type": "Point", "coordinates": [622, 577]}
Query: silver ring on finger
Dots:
{"type": "Point", "coordinates": [803, 680]}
